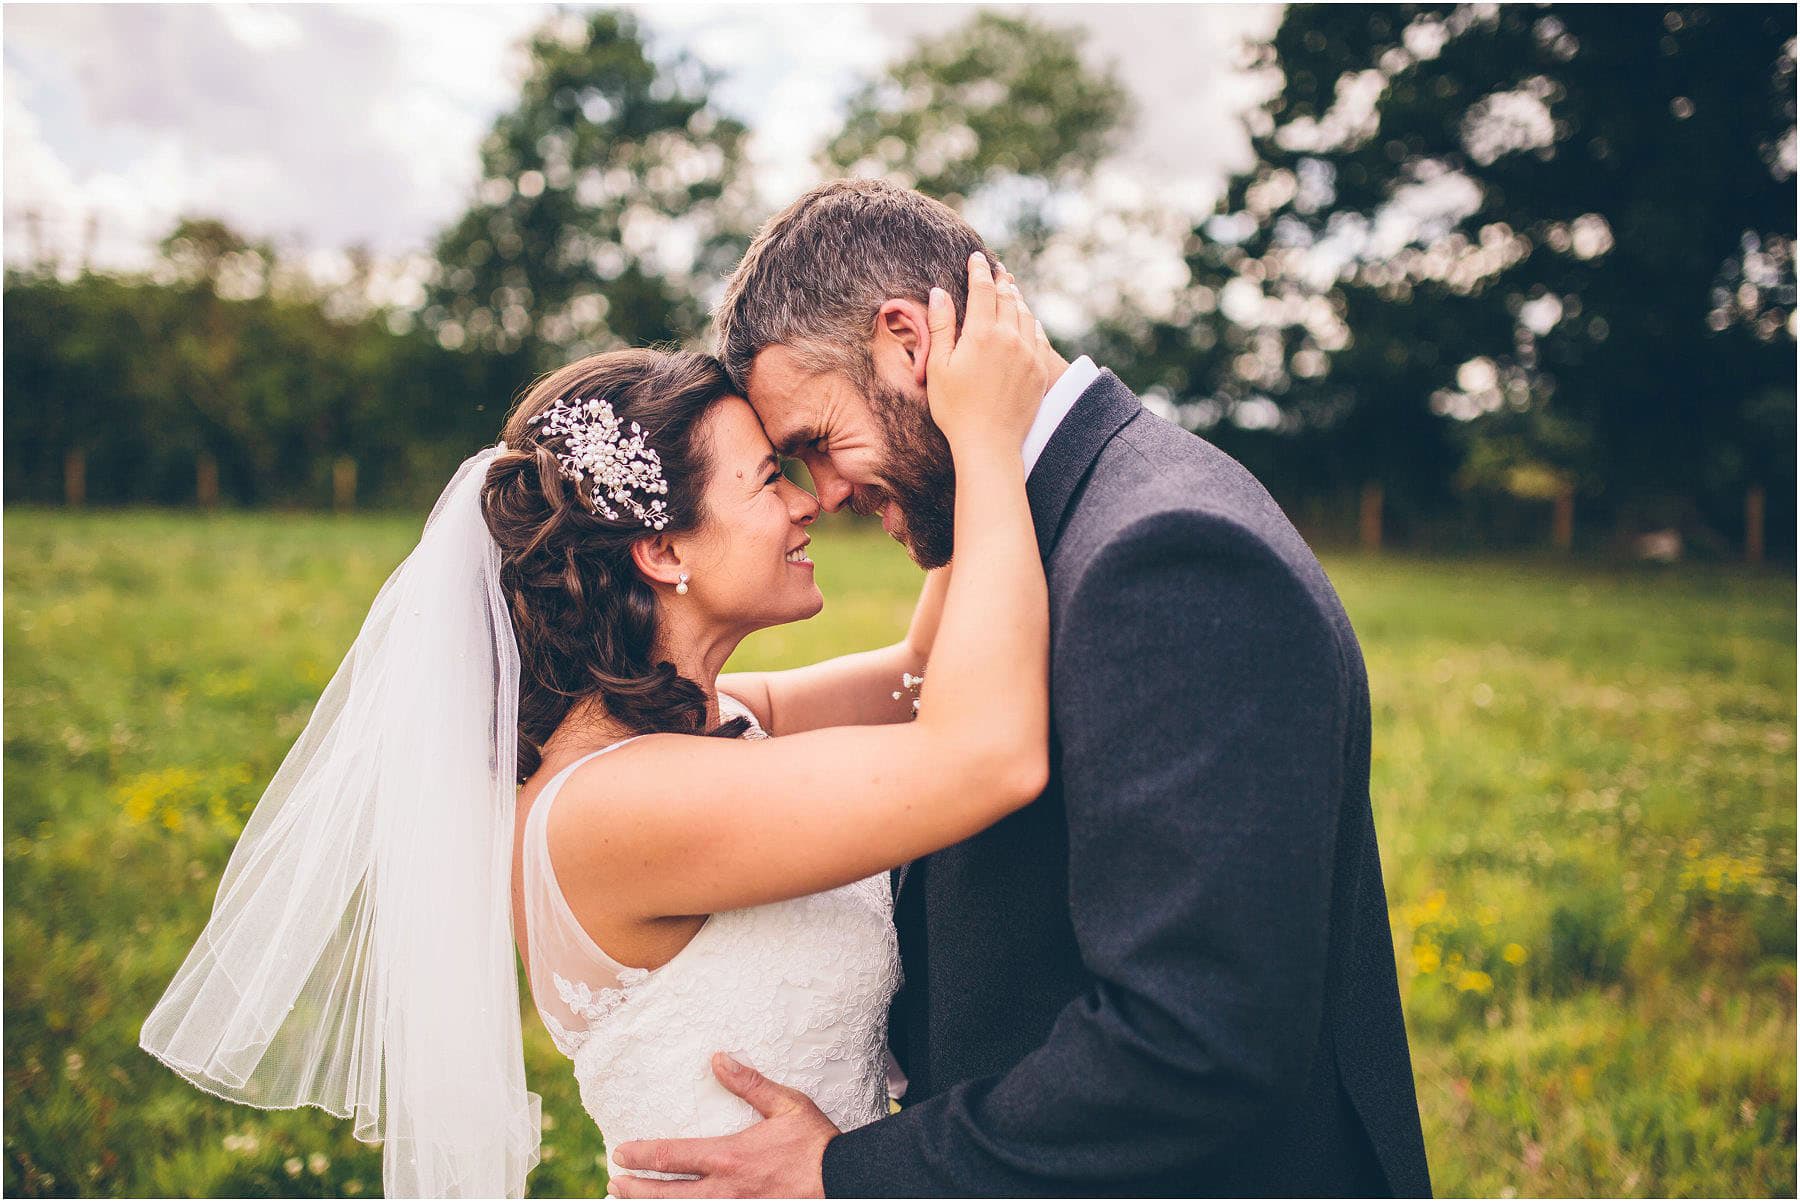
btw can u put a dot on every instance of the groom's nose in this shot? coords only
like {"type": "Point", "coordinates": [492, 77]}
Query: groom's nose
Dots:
{"type": "Point", "coordinates": [831, 489]}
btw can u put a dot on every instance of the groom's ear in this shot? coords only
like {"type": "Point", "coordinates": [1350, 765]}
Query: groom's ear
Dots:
{"type": "Point", "coordinates": [657, 559]}
{"type": "Point", "coordinates": [903, 336]}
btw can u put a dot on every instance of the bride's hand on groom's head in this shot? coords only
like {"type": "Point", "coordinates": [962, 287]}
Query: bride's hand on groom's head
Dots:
{"type": "Point", "coordinates": [986, 381]}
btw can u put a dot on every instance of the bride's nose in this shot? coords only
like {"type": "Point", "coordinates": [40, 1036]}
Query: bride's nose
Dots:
{"type": "Point", "coordinates": [803, 507]}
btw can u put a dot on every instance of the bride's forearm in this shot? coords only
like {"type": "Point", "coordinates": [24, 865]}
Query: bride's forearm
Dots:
{"type": "Point", "coordinates": [857, 689]}
{"type": "Point", "coordinates": [989, 662]}
{"type": "Point", "coordinates": [927, 614]}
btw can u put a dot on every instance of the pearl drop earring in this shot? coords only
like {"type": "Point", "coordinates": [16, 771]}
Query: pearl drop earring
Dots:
{"type": "Point", "coordinates": [681, 586]}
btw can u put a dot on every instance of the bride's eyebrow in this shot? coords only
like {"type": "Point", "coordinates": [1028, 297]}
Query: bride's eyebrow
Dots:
{"type": "Point", "coordinates": [759, 475]}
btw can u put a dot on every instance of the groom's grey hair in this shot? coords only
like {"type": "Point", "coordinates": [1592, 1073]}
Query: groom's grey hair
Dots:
{"type": "Point", "coordinates": [817, 273]}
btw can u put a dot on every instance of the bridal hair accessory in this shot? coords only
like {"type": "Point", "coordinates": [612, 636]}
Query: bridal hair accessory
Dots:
{"type": "Point", "coordinates": [622, 469]}
{"type": "Point", "coordinates": [681, 585]}
{"type": "Point", "coordinates": [360, 957]}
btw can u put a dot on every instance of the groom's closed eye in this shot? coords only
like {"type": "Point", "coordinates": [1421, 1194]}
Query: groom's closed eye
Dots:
{"type": "Point", "coordinates": [797, 445]}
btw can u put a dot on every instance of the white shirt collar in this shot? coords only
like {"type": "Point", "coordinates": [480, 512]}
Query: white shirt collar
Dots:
{"type": "Point", "coordinates": [1056, 405]}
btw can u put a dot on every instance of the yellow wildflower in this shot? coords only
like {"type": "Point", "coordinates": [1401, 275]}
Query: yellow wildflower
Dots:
{"type": "Point", "coordinates": [143, 795]}
{"type": "Point", "coordinates": [1474, 982]}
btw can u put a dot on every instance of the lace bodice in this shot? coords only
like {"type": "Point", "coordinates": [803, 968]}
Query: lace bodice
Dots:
{"type": "Point", "coordinates": [798, 990]}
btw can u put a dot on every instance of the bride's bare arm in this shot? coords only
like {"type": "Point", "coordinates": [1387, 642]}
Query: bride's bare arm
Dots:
{"type": "Point", "coordinates": [682, 825]}
{"type": "Point", "coordinates": [848, 690]}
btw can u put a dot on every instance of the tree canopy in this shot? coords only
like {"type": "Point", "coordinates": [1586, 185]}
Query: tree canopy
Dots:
{"type": "Point", "coordinates": [610, 197]}
{"type": "Point", "coordinates": [1528, 248]}
{"type": "Point", "coordinates": [1000, 109]}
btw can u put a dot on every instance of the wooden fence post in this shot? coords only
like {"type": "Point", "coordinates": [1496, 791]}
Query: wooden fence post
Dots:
{"type": "Point", "coordinates": [1753, 524]}
{"type": "Point", "coordinates": [1369, 516]}
{"type": "Point", "coordinates": [1562, 520]}
{"type": "Point", "coordinates": [75, 477]}
{"type": "Point", "coordinates": [343, 484]}
{"type": "Point", "coordinates": [206, 480]}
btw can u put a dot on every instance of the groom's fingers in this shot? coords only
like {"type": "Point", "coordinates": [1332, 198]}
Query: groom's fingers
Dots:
{"type": "Point", "coordinates": [699, 1156]}
{"type": "Point", "coordinates": [768, 1098]}
{"type": "Point", "coordinates": [624, 1186]}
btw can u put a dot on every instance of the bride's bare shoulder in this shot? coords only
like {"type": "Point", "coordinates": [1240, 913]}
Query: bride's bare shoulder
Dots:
{"type": "Point", "coordinates": [641, 774]}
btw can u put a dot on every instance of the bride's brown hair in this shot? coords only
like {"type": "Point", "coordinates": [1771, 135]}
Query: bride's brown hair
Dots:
{"type": "Point", "coordinates": [584, 618]}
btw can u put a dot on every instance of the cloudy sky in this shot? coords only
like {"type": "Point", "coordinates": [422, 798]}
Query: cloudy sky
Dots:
{"type": "Point", "coordinates": [327, 126]}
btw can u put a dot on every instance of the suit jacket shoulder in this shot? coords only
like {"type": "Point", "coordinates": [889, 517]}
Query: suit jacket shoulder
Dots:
{"type": "Point", "coordinates": [1152, 471]}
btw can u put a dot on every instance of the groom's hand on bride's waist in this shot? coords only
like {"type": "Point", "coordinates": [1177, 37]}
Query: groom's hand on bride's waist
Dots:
{"type": "Point", "coordinates": [778, 1157]}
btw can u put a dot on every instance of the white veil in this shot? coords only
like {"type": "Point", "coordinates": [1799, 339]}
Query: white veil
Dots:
{"type": "Point", "coordinates": [360, 954]}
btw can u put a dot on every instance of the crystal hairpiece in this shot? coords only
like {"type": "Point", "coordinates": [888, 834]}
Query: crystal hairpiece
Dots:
{"type": "Point", "coordinates": [622, 469]}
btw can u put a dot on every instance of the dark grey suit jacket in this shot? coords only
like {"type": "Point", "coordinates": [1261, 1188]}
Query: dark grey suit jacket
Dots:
{"type": "Point", "coordinates": [1171, 974]}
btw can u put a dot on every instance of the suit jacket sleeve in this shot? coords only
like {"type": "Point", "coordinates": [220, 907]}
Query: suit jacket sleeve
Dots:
{"type": "Point", "coordinates": [1200, 696]}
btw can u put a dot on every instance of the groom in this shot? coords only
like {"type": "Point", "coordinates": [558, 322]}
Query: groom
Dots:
{"type": "Point", "coordinates": [1173, 973]}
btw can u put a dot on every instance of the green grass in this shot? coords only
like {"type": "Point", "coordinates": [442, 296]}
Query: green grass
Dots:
{"type": "Point", "coordinates": [1584, 786]}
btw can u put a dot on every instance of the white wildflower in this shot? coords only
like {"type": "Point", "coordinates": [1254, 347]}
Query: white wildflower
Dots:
{"type": "Point", "coordinates": [910, 684]}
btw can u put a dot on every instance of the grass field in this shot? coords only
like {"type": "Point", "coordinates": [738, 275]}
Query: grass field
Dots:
{"type": "Point", "coordinates": [1584, 788]}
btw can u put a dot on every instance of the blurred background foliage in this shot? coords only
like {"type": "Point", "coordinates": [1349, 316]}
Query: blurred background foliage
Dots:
{"type": "Point", "coordinates": [610, 198]}
{"type": "Point", "coordinates": [1498, 279]}
{"type": "Point", "coordinates": [1001, 109]}
{"type": "Point", "coordinates": [1538, 252]}
{"type": "Point", "coordinates": [1498, 276]}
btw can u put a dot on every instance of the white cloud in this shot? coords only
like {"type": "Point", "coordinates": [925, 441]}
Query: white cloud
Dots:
{"type": "Point", "coordinates": [322, 125]}
{"type": "Point", "coordinates": [37, 177]}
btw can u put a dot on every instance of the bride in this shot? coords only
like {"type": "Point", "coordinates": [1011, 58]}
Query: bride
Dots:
{"type": "Point", "coordinates": [530, 740]}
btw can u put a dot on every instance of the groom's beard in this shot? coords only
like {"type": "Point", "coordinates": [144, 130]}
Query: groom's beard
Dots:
{"type": "Point", "coordinates": [920, 473]}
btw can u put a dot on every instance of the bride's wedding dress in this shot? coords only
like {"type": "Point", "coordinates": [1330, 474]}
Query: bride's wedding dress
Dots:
{"type": "Point", "coordinates": [797, 990]}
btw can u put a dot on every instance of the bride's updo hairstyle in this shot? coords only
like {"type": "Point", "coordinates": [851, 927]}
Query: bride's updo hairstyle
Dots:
{"type": "Point", "coordinates": [585, 620]}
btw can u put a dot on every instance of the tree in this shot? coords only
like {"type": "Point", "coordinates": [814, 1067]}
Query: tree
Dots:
{"type": "Point", "coordinates": [225, 374]}
{"type": "Point", "coordinates": [74, 428]}
{"type": "Point", "coordinates": [1536, 249]}
{"type": "Point", "coordinates": [1001, 109]}
{"type": "Point", "coordinates": [610, 196]}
